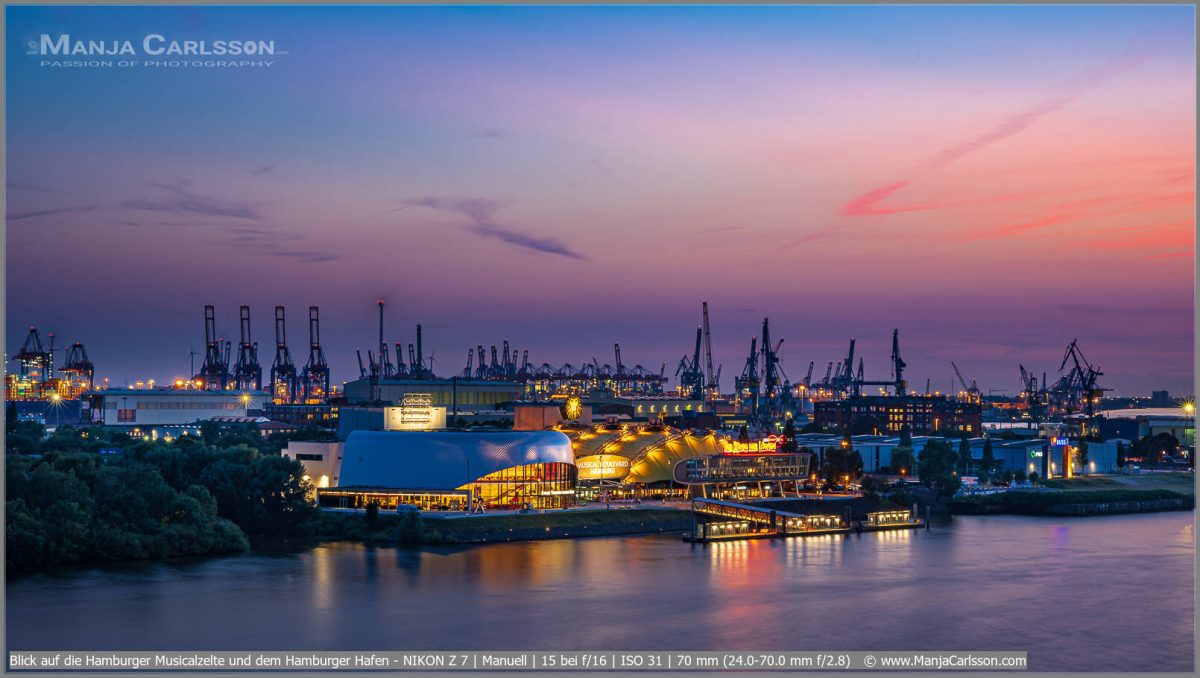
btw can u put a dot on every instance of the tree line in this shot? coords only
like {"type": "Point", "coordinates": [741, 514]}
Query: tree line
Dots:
{"type": "Point", "coordinates": [86, 495]}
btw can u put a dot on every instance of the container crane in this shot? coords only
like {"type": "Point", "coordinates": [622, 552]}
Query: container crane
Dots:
{"type": "Point", "coordinates": [284, 386]}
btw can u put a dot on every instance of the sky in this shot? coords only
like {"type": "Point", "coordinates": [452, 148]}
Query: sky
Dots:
{"type": "Point", "coordinates": [993, 181]}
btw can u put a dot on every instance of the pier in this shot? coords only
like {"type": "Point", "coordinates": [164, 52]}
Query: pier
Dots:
{"type": "Point", "coordinates": [715, 520]}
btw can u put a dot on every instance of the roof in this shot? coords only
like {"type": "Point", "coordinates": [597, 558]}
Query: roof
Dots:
{"type": "Point", "coordinates": [444, 460]}
{"type": "Point", "coordinates": [657, 463]}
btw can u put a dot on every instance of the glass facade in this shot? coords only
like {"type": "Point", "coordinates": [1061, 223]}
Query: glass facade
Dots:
{"type": "Point", "coordinates": [390, 500]}
{"type": "Point", "coordinates": [540, 486]}
{"type": "Point", "coordinates": [732, 468]}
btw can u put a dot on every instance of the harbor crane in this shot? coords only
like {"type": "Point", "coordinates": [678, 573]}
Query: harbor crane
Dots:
{"type": "Point", "coordinates": [1081, 380]}
{"type": "Point", "coordinates": [314, 378]}
{"type": "Point", "coordinates": [971, 391]}
{"type": "Point", "coordinates": [247, 372]}
{"type": "Point", "coordinates": [284, 385]}
{"type": "Point", "coordinates": [214, 371]}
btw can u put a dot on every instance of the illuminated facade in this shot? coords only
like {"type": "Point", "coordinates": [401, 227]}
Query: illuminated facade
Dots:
{"type": "Point", "coordinates": [498, 469]}
{"type": "Point", "coordinates": [743, 475]}
{"type": "Point", "coordinates": [636, 454]}
{"type": "Point", "coordinates": [322, 461]}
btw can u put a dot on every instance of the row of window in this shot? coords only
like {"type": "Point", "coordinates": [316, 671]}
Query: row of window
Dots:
{"type": "Point", "coordinates": [179, 405]}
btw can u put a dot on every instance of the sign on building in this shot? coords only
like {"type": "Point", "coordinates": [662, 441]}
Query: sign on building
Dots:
{"type": "Point", "coordinates": [416, 412]}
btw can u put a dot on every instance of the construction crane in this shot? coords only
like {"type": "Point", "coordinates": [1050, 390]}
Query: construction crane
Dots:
{"type": "Point", "coordinates": [1083, 383]}
{"type": "Point", "coordinates": [808, 376]}
{"type": "Point", "coordinates": [79, 369]}
{"type": "Point", "coordinates": [1033, 397]}
{"type": "Point", "coordinates": [36, 363]}
{"type": "Point", "coordinates": [314, 378]}
{"type": "Point", "coordinates": [828, 375]}
{"type": "Point", "coordinates": [284, 386]}
{"type": "Point", "coordinates": [214, 371]}
{"type": "Point", "coordinates": [466, 373]}
{"type": "Point", "coordinates": [748, 385]}
{"type": "Point", "coordinates": [247, 373]}
{"type": "Point", "coordinates": [898, 365]}
{"type": "Point", "coordinates": [712, 381]}
{"type": "Point", "coordinates": [970, 391]}
{"type": "Point", "coordinates": [691, 378]}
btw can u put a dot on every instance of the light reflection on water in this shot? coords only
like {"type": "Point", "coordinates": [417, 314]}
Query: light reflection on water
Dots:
{"type": "Point", "coordinates": [1071, 592]}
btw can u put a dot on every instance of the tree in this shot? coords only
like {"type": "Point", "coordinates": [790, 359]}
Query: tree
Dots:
{"type": "Point", "coordinates": [1034, 477]}
{"type": "Point", "coordinates": [872, 485]}
{"type": "Point", "coordinates": [1151, 449]}
{"type": "Point", "coordinates": [964, 455]}
{"type": "Point", "coordinates": [905, 437]}
{"type": "Point", "coordinates": [789, 437]}
{"type": "Point", "coordinates": [744, 435]}
{"type": "Point", "coordinates": [988, 463]}
{"type": "Point", "coordinates": [842, 463]}
{"type": "Point", "coordinates": [1019, 475]}
{"type": "Point", "coordinates": [938, 468]}
{"type": "Point", "coordinates": [904, 461]}
{"type": "Point", "coordinates": [1081, 456]}
{"type": "Point", "coordinates": [1120, 455]}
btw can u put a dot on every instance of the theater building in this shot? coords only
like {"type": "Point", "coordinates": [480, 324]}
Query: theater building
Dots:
{"type": "Point", "coordinates": [451, 470]}
{"type": "Point", "coordinates": [628, 460]}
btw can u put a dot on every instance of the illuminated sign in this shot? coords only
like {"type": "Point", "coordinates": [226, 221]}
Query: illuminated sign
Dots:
{"type": "Point", "coordinates": [769, 444]}
{"type": "Point", "coordinates": [415, 413]}
{"type": "Point", "coordinates": [572, 409]}
{"type": "Point", "coordinates": [602, 467]}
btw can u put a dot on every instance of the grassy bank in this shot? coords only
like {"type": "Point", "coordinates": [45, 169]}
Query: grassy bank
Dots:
{"type": "Point", "coordinates": [412, 528]}
{"type": "Point", "coordinates": [1075, 502]}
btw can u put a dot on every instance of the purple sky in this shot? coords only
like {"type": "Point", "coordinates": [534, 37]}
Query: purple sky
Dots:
{"type": "Point", "coordinates": [993, 181]}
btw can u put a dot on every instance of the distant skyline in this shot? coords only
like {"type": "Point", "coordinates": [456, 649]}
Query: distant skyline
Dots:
{"type": "Point", "coordinates": [993, 181]}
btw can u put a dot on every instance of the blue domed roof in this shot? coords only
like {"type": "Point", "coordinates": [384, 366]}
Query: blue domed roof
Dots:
{"type": "Point", "coordinates": [444, 460]}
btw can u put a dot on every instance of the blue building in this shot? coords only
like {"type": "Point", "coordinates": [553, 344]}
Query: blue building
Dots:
{"type": "Point", "coordinates": [452, 470]}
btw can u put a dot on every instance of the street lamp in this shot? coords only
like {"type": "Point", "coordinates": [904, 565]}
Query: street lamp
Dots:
{"type": "Point", "coordinates": [56, 405]}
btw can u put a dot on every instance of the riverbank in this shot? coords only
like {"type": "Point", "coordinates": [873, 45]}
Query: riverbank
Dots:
{"type": "Point", "coordinates": [413, 528]}
{"type": "Point", "coordinates": [1089, 496]}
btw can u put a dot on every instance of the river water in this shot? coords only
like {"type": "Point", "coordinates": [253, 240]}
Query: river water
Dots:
{"type": "Point", "coordinates": [1108, 593]}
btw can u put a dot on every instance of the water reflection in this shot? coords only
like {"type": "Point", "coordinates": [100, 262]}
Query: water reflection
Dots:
{"type": "Point", "coordinates": [983, 582]}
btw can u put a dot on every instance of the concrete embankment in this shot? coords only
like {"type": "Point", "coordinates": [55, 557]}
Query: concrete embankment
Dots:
{"type": "Point", "coordinates": [419, 529]}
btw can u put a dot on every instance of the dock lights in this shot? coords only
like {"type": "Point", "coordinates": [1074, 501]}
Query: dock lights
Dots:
{"type": "Point", "coordinates": [1189, 407]}
{"type": "Point", "coordinates": [56, 397]}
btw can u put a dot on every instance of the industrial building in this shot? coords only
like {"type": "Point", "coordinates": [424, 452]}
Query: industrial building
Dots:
{"type": "Point", "coordinates": [453, 394]}
{"type": "Point", "coordinates": [455, 470]}
{"type": "Point", "coordinates": [882, 415]}
{"type": "Point", "coordinates": [143, 407]}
